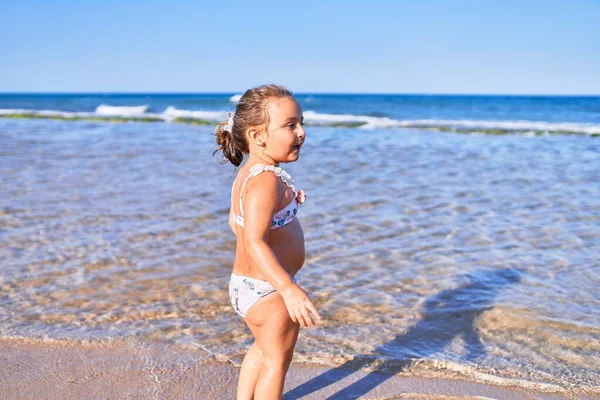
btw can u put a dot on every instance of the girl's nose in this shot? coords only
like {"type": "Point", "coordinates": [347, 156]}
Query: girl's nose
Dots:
{"type": "Point", "coordinates": [301, 132]}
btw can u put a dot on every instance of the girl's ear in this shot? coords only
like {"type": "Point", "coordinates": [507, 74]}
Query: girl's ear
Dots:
{"type": "Point", "coordinates": [257, 136]}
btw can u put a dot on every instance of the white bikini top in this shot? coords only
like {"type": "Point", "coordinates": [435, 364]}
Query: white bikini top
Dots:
{"type": "Point", "coordinates": [288, 213]}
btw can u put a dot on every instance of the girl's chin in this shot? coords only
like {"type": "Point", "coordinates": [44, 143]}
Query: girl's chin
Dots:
{"type": "Point", "coordinates": [294, 155]}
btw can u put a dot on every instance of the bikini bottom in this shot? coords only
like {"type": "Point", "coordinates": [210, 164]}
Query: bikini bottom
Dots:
{"type": "Point", "coordinates": [244, 292]}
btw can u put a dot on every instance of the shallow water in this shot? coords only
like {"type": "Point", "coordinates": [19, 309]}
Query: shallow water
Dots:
{"type": "Point", "coordinates": [428, 253]}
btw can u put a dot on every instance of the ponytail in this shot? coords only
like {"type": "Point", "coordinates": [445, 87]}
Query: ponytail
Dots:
{"type": "Point", "coordinates": [227, 144]}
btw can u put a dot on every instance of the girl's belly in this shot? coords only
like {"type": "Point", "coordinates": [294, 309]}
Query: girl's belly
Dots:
{"type": "Point", "coordinates": [289, 248]}
{"type": "Point", "coordinates": [288, 245]}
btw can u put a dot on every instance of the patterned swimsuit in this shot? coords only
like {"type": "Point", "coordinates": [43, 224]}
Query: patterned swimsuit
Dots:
{"type": "Point", "coordinates": [245, 291]}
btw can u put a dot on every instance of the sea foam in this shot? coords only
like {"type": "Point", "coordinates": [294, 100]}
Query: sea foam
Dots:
{"type": "Point", "coordinates": [235, 98]}
{"type": "Point", "coordinates": [516, 126]}
{"type": "Point", "coordinates": [121, 111]}
{"type": "Point", "coordinates": [313, 118]}
{"type": "Point", "coordinates": [364, 121]}
{"type": "Point", "coordinates": [171, 113]}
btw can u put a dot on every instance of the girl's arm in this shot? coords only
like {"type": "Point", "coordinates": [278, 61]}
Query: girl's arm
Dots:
{"type": "Point", "coordinates": [260, 204]}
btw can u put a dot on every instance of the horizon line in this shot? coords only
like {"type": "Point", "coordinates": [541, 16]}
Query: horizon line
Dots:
{"type": "Point", "coordinates": [300, 93]}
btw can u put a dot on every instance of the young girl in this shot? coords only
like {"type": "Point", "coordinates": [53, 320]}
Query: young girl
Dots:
{"type": "Point", "coordinates": [268, 126]}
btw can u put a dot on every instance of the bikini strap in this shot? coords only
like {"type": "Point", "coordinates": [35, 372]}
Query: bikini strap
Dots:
{"type": "Point", "coordinates": [257, 169]}
{"type": "Point", "coordinates": [232, 186]}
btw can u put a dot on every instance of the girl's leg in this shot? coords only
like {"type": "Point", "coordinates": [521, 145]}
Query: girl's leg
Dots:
{"type": "Point", "coordinates": [276, 335]}
{"type": "Point", "coordinates": [249, 372]}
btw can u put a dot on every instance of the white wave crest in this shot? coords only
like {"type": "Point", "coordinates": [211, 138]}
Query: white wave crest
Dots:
{"type": "Point", "coordinates": [121, 111]}
{"type": "Point", "coordinates": [45, 113]}
{"type": "Point", "coordinates": [171, 113]}
{"type": "Point", "coordinates": [522, 126]}
{"type": "Point", "coordinates": [321, 119]}
{"type": "Point", "coordinates": [235, 98]}
{"type": "Point", "coordinates": [517, 126]}
{"type": "Point", "coordinates": [369, 122]}
{"type": "Point", "coordinates": [75, 114]}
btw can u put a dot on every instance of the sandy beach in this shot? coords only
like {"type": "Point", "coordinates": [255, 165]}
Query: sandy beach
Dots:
{"type": "Point", "coordinates": [44, 369]}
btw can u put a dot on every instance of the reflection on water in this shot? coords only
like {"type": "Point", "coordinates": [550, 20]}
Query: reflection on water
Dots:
{"type": "Point", "coordinates": [445, 317]}
{"type": "Point", "coordinates": [426, 252]}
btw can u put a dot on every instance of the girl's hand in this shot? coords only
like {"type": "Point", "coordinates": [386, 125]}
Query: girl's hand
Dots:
{"type": "Point", "coordinates": [298, 305]}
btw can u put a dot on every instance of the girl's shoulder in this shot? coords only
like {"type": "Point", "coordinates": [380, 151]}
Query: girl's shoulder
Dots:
{"type": "Point", "coordinates": [257, 178]}
{"type": "Point", "coordinates": [279, 173]}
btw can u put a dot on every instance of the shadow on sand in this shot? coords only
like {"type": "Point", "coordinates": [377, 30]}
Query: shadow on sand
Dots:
{"type": "Point", "coordinates": [440, 324]}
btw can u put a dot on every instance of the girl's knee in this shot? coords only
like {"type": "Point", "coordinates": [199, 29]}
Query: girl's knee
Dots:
{"type": "Point", "coordinates": [279, 361]}
{"type": "Point", "coordinates": [279, 350]}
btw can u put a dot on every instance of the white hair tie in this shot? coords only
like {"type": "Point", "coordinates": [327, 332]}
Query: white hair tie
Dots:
{"type": "Point", "coordinates": [229, 126]}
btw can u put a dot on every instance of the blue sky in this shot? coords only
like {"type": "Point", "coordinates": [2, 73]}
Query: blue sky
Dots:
{"type": "Point", "coordinates": [421, 46]}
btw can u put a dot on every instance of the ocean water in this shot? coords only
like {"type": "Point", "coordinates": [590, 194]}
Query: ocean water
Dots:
{"type": "Point", "coordinates": [490, 114]}
{"type": "Point", "coordinates": [429, 252]}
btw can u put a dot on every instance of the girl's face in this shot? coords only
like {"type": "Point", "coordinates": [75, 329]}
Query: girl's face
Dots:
{"type": "Point", "coordinates": [285, 133]}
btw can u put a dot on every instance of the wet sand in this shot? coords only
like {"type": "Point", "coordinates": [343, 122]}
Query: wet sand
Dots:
{"type": "Point", "coordinates": [51, 369]}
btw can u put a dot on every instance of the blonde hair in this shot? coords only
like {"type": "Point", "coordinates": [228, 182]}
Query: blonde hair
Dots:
{"type": "Point", "coordinates": [251, 111]}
